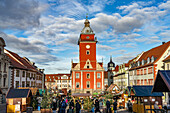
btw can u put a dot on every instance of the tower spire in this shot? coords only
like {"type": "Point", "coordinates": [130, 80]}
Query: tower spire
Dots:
{"type": "Point", "coordinates": [110, 58]}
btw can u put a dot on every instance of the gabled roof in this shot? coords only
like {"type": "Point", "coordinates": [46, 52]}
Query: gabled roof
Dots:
{"type": "Point", "coordinates": [21, 63]}
{"type": "Point", "coordinates": [162, 81]}
{"type": "Point", "coordinates": [117, 68]}
{"type": "Point", "coordinates": [15, 63]}
{"type": "Point", "coordinates": [19, 93]}
{"type": "Point", "coordinates": [156, 52]}
{"type": "Point", "coordinates": [145, 91]}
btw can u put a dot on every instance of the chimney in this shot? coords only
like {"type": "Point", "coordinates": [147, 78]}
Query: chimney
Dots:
{"type": "Point", "coordinates": [163, 43]}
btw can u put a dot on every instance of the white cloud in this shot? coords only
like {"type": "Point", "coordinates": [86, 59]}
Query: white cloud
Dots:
{"type": "Point", "coordinates": [104, 47]}
{"type": "Point", "coordinates": [20, 14]}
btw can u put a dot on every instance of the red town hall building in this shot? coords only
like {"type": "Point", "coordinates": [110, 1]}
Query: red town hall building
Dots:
{"type": "Point", "coordinates": [88, 74]}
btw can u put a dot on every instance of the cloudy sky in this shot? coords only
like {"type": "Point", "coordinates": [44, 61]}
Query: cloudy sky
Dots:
{"type": "Point", "coordinates": [47, 31]}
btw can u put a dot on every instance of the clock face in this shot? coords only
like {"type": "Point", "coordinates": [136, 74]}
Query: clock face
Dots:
{"type": "Point", "coordinates": [87, 46]}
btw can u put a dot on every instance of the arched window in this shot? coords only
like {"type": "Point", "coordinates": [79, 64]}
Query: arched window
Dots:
{"type": "Point", "coordinates": [88, 84]}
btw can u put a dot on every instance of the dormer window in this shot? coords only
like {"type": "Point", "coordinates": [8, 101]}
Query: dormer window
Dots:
{"type": "Point", "coordinates": [143, 61]}
{"type": "Point", "coordinates": [148, 60]}
{"type": "Point", "coordinates": [152, 59]}
{"type": "Point", "coordinates": [138, 63]}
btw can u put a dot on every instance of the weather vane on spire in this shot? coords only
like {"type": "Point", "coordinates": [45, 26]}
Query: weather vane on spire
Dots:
{"type": "Point", "coordinates": [86, 15]}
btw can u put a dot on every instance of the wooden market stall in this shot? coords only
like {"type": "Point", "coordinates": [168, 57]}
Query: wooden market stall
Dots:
{"type": "Point", "coordinates": [18, 100]}
{"type": "Point", "coordinates": [118, 94]}
{"type": "Point", "coordinates": [162, 83]}
{"type": "Point", "coordinates": [144, 98]}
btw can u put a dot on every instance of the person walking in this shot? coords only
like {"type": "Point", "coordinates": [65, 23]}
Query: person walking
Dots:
{"type": "Point", "coordinates": [115, 106]}
{"type": "Point", "coordinates": [129, 105]}
{"type": "Point", "coordinates": [156, 107]}
{"type": "Point", "coordinates": [97, 106]}
{"type": "Point", "coordinates": [108, 110]}
{"type": "Point", "coordinates": [82, 103]}
{"type": "Point", "coordinates": [78, 106]}
{"type": "Point", "coordinates": [71, 105]}
{"type": "Point", "coordinates": [54, 106]}
{"type": "Point", "coordinates": [63, 106]}
{"type": "Point", "coordinates": [59, 105]}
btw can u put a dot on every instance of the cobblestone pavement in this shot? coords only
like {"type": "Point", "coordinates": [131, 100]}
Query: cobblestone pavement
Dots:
{"type": "Point", "coordinates": [2, 108]}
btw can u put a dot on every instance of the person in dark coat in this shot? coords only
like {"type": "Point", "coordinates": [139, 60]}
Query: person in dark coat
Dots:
{"type": "Point", "coordinates": [59, 105]}
{"type": "Point", "coordinates": [54, 106]}
{"type": "Point", "coordinates": [129, 105]}
{"type": "Point", "coordinates": [78, 106]}
{"type": "Point", "coordinates": [63, 106]}
{"type": "Point", "coordinates": [108, 110]}
{"type": "Point", "coordinates": [97, 106]}
{"type": "Point", "coordinates": [70, 110]}
{"type": "Point", "coordinates": [71, 105]}
{"type": "Point", "coordinates": [115, 106]}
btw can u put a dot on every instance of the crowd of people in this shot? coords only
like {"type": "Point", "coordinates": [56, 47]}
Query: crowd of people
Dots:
{"type": "Point", "coordinates": [72, 106]}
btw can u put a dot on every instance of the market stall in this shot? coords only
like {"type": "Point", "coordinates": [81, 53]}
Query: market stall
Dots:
{"type": "Point", "coordinates": [144, 98]}
{"type": "Point", "coordinates": [18, 100]}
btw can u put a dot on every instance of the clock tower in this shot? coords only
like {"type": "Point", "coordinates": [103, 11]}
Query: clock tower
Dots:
{"type": "Point", "coordinates": [87, 48]}
{"type": "Point", "coordinates": [88, 74]}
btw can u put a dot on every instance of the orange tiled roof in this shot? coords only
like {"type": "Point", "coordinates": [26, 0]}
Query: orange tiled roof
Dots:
{"type": "Point", "coordinates": [19, 62]}
{"type": "Point", "coordinates": [156, 52]}
{"type": "Point", "coordinates": [117, 68]}
{"type": "Point", "coordinates": [100, 63]}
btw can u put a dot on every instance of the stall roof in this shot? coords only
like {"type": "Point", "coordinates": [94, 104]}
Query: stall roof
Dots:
{"type": "Point", "coordinates": [19, 93]}
{"type": "Point", "coordinates": [162, 83]}
{"type": "Point", "coordinates": [142, 91]}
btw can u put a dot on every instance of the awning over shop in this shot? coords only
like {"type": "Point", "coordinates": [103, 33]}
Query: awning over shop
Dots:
{"type": "Point", "coordinates": [81, 94]}
{"type": "Point", "coordinates": [144, 91]}
{"type": "Point", "coordinates": [162, 81]}
{"type": "Point", "coordinates": [127, 90]}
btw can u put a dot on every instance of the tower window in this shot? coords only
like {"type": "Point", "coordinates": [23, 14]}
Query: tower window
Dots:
{"type": "Point", "coordinates": [77, 84]}
{"type": "Point", "coordinates": [88, 84]}
{"type": "Point", "coordinates": [88, 52]}
{"type": "Point", "coordinates": [87, 66]}
{"type": "Point", "coordinates": [98, 84]}
{"type": "Point", "coordinates": [88, 75]}
{"type": "Point", "coordinates": [77, 75]}
{"type": "Point", "coordinates": [98, 75]}
{"type": "Point", "coordinates": [87, 37]}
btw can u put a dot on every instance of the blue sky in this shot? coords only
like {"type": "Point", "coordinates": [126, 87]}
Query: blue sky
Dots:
{"type": "Point", "coordinates": [47, 31]}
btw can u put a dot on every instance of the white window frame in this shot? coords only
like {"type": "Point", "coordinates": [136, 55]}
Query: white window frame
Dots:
{"type": "Point", "coordinates": [87, 51]}
{"type": "Point", "coordinates": [98, 84]}
{"type": "Point", "coordinates": [88, 82]}
{"type": "Point", "coordinates": [89, 75]}
{"type": "Point", "coordinates": [148, 60]}
{"type": "Point", "coordinates": [77, 83]}
{"type": "Point", "coordinates": [152, 59]}
{"type": "Point", "coordinates": [77, 75]}
{"type": "Point", "coordinates": [98, 75]}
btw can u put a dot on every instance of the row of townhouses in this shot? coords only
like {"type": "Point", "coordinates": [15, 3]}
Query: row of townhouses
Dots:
{"type": "Point", "coordinates": [142, 69]}
{"type": "Point", "coordinates": [16, 71]}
